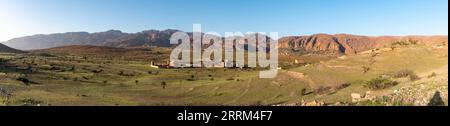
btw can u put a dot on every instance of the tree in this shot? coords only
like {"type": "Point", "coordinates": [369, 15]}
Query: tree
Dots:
{"type": "Point", "coordinates": [163, 84]}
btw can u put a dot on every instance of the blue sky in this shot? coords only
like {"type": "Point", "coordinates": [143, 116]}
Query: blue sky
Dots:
{"type": "Point", "coordinates": [288, 17]}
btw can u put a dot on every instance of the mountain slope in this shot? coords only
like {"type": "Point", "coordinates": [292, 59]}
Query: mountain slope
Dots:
{"type": "Point", "coordinates": [4, 48]}
{"type": "Point", "coordinates": [350, 44]}
{"type": "Point", "coordinates": [112, 38]}
{"type": "Point", "coordinates": [147, 54]}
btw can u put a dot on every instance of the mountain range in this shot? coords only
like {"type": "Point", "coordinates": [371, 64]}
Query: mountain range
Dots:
{"type": "Point", "coordinates": [339, 43]}
{"type": "Point", "coordinates": [351, 44]}
{"type": "Point", "coordinates": [111, 38]}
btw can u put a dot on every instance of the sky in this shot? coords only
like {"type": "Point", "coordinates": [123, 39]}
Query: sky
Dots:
{"type": "Point", "coordinates": [287, 17]}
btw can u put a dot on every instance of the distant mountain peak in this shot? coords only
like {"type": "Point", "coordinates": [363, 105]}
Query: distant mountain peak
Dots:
{"type": "Point", "coordinates": [114, 31]}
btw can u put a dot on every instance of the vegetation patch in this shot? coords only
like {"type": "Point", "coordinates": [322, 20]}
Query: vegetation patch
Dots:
{"type": "Point", "coordinates": [406, 73]}
{"type": "Point", "coordinates": [380, 82]}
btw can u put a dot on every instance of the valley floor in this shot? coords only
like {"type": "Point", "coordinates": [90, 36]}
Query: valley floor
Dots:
{"type": "Point", "coordinates": [54, 80]}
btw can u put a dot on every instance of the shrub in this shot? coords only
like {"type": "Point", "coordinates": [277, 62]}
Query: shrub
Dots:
{"type": "Point", "coordinates": [5, 95]}
{"type": "Point", "coordinates": [31, 102]}
{"type": "Point", "coordinates": [402, 73]}
{"type": "Point", "coordinates": [192, 78]}
{"type": "Point", "coordinates": [405, 42]}
{"type": "Point", "coordinates": [342, 86]}
{"type": "Point", "coordinates": [230, 78]}
{"type": "Point", "coordinates": [432, 75]}
{"type": "Point", "coordinates": [24, 80]}
{"type": "Point", "coordinates": [72, 68]}
{"type": "Point", "coordinates": [406, 73]}
{"type": "Point", "coordinates": [380, 83]}
{"type": "Point", "coordinates": [374, 55]}
{"type": "Point", "coordinates": [393, 47]}
{"type": "Point", "coordinates": [414, 77]}
{"type": "Point", "coordinates": [303, 92]}
{"type": "Point", "coordinates": [322, 90]}
{"type": "Point", "coordinates": [365, 69]}
{"type": "Point", "coordinates": [163, 84]}
{"type": "Point", "coordinates": [128, 74]}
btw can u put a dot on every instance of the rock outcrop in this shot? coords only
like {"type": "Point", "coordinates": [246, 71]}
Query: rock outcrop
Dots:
{"type": "Point", "coordinates": [350, 44]}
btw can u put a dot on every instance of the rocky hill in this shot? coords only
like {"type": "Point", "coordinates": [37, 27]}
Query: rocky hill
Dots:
{"type": "Point", "coordinates": [350, 44]}
{"type": "Point", "coordinates": [4, 48]}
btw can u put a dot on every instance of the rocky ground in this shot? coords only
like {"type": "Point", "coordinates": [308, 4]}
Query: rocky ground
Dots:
{"type": "Point", "coordinates": [430, 90]}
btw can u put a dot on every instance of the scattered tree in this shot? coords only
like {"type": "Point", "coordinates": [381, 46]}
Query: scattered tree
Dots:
{"type": "Point", "coordinates": [163, 84]}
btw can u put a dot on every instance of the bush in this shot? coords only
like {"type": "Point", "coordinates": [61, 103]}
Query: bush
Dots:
{"type": "Point", "coordinates": [192, 78]}
{"type": "Point", "coordinates": [432, 75]}
{"type": "Point", "coordinates": [405, 42]}
{"type": "Point", "coordinates": [230, 78]}
{"type": "Point", "coordinates": [163, 84]}
{"type": "Point", "coordinates": [380, 83]}
{"type": "Point", "coordinates": [402, 73]}
{"type": "Point", "coordinates": [322, 90]}
{"type": "Point", "coordinates": [127, 73]}
{"type": "Point", "coordinates": [31, 102]}
{"type": "Point", "coordinates": [24, 80]}
{"type": "Point", "coordinates": [342, 86]}
{"type": "Point", "coordinates": [303, 92]}
{"type": "Point", "coordinates": [365, 69]}
{"type": "Point", "coordinates": [406, 73]}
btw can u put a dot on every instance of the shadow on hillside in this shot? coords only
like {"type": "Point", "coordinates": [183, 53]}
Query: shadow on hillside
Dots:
{"type": "Point", "coordinates": [436, 100]}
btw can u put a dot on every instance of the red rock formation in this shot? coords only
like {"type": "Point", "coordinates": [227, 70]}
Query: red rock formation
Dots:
{"type": "Point", "coordinates": [350, 44]}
